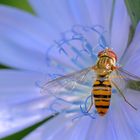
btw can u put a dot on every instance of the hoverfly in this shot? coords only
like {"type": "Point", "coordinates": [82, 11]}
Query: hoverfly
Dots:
{"type": "Point", "coordinates": [99, 79]}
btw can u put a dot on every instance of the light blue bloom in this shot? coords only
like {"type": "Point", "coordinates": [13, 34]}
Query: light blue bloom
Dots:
{"type": "Point", "coordinates": [24, 43]}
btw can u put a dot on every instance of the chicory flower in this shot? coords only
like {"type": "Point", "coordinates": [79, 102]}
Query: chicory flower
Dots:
{"type": "Point", "coordinates": [24, 43]}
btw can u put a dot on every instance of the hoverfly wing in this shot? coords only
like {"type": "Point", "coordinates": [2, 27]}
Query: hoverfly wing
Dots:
{"type": "Point", "coordinates": [128, 75]}
{"type": "Point", "coordinates": [122, 82]}
{"type": "Point", "coordinates": [131, 81]}
{"type": "Point", "coordinates": [71, 88]}
{"type": "Point", "coordinates": [123, 79]}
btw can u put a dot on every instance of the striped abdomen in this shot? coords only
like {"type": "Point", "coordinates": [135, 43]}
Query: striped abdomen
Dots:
{"type": "Point", "coordinates": [102, 94]}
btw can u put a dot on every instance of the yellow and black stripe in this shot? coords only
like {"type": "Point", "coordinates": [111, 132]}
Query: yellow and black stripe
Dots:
{"type": "Point", "coordinates": [102, 95]}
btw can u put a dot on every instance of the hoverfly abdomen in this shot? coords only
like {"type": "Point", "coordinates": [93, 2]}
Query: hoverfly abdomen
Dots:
{"type": "Point", "coordinates": [102, 95]}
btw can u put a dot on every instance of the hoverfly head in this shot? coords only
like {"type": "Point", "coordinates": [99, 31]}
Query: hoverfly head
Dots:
{"type": "Point", "coordinates": [108, 53]}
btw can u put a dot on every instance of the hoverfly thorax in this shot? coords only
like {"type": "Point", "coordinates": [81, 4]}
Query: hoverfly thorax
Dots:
{"type": "Point", "coordinates": [106, 62]}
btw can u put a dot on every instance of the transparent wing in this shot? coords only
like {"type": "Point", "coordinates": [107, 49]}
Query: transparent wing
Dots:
{"type": "Point", "coordinates": [131, 81]}
{"type": "Point", "coordinates": [123, 79]}
{"type": "Point", "coordinates": [127, 75]}
{"type": "Point", "coordinates": [72, 88]}
{"type": "Point", "coordinates": [123, 83]}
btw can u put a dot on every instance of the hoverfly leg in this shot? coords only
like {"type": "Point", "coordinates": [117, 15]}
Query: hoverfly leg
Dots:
{"type": "Point", "coordinates": [124, 96]}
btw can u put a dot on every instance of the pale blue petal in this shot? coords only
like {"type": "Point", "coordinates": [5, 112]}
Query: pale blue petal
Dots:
{"type": "Point", "coordinates": [78, 47]}
{"type": "Point", "coordinates": [57, 14]}
{"type": "Point", "coordinates": [131, 59]}
{"type": "Point", "coordinates": [100, 129]}
{"type": "Point", "coordinates": [94, 16]}
{"type": "Point", "coordinates": [120, 122]}
{"type": "Point", "coordinates": [124, 119]}
{"type": "Point", "coordinates": [65, 129]}
{"type": "Point", "coordinates": [120, 28]}
{"type": "Point", "coordinates": [21, 86]}
{"type": "Point", "coordinates": [120, 23]}
{"type": "Point", "coordinates": [132, 115]}
{"type": "Point", "coordinates": [53, 129]}
{"type": "Point", "coordinates": [99, 12]}
{"type": "Point", "coordinates": [70, 12]}
{"type": "Point", "coordinates": [24, 40]}
{"type": "Point", "coordinates": [26, 46]}
{"type": "Point", "coordinates": [16, 117]}
{"type": "Point", "coordinates": [18, 86]}
{"type": "Point", "coordinates": [88, 12]}
{"type": "Point", "coordinates": [77, 130]}
{"type": "Point", "coordinates": [79, 10]}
